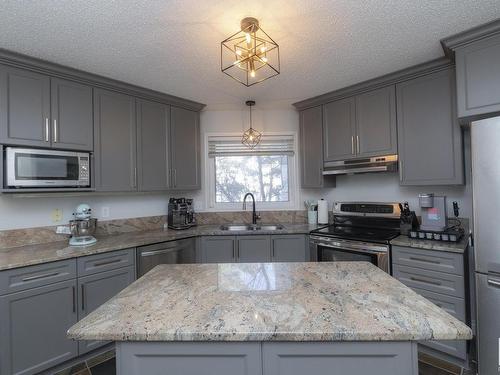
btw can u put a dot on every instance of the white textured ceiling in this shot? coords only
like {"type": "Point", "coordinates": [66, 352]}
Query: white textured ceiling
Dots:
{"type": "Point", "coordinates": [174, 45]}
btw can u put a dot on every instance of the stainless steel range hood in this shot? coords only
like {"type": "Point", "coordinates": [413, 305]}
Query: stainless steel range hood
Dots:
{"type": "Point", "coordinates": [388, 163]}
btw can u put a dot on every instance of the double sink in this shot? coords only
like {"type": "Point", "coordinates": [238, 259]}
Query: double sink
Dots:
{"type": "Point", "coordinates": [251, 227]}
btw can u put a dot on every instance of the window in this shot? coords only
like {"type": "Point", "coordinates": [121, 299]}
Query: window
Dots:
{"type": "Point", "coordinates": [266, 171]}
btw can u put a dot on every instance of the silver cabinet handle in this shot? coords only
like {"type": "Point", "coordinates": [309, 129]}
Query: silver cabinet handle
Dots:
{"type": "Point", "coordinates": [352, 144]}
{"type": "Point", "coordinates": [134, 182]}
{"type": "Point", "coordinates": [493, 282]}
{"type": "Point", "coordinates": [357, 144]}
{"type": "Point", "coordinates": [175, 177]}
{"type": "Point", "coordinates": [43, 276]}
{"type": "Point", "coordinates": [425, 260]}
{"type": "Point", "coordinates": [74, 299]}
{"type": "Point", "coordinates": [105, 263]}
{"type": "Point", "coordinates": [425, 281]}
{"type": "Point", "coordinates": [46, 130]}
{"type": "Point", "coordinates": [83, 297]}
{"type": "Point", "coordinates": [55, 130]}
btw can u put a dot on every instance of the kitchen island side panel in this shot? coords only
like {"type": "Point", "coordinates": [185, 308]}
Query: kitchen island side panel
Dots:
{"type": "Point", "coordinates": [267, 358]}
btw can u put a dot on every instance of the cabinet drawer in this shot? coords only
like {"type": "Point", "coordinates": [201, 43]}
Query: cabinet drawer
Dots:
{"type": "Point", "coordinates": [24, 278]}
{"type": "Point", "coordinates": [104, 262]}
{"type": "Point", "coordinates": [452, 305]}
{"type": "Point", "coordinates": [428, 259]}
{"type": "Point", "coordinates": [438, 282]}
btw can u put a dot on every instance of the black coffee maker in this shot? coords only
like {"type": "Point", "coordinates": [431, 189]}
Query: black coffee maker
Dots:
{"type": "Point", "coordinates": [180, 213]}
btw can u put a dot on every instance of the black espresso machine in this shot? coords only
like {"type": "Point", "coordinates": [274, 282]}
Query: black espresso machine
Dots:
{"type": "Point", "coordinates": [180, 213]}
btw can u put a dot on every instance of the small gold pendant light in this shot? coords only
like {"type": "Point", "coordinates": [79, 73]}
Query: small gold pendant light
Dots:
{"type": "Point", "coordinates": [251, 137]}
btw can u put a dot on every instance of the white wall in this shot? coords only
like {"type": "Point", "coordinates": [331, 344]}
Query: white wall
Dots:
{"type": "Point", "coordinates": [24, 212]}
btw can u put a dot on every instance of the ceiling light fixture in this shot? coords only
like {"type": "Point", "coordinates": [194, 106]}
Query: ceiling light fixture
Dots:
{"type": "Point", "coordinates": [250, 56]}
{"type": "Point", "coordinates": [251, 137]}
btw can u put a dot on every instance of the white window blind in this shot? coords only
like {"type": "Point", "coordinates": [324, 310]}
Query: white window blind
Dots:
{"type": "Point", "coordinates": [232, 146]}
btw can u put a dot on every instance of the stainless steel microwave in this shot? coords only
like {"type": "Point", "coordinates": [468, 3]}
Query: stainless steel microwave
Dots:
{"type": "Point", "coordinates": [33, 168]}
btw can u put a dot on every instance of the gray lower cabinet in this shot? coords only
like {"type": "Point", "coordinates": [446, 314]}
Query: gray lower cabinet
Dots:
{"type": "Point", "coordinates": [96, 289]}
{"type": "Point", "coordinates": [254, 249]}
{"type": "Point", "coordinates": [153, 146]}
{"type": "Point", "coordinates": [376, 133]}
{"type": "Point", "coordinates": [339, 126]}
{"type": "Point", "coordinates": [185, 149]}
{"type": "Point", "coordinates": [478, 78]}
{"type": "Point", "coordinates": [24, 107]}
{"type": "Point", "coordinates": [439, 277]}
{"type": "Point", "coordinates": [33, 328]}
{"type": "Point", "coordinates": [114, 141]}
{"type": "Point", "coordinates": [71, 115]}
{"type": "Point", "coordinates": [311, 150]}
{"type": "Point", "coordinates": [218, 249]}
{"type": "Point", "coordinates": [290, 248]}
{"type": "Point", "coordinates": [429, 135]}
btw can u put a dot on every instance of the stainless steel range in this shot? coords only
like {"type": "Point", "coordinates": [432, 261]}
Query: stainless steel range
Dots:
{"type": "Point", "coordinates": [361, 231]}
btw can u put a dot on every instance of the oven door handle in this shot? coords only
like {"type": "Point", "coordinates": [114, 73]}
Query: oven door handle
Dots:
{"type": "Point", "coordinates": [343, 245]}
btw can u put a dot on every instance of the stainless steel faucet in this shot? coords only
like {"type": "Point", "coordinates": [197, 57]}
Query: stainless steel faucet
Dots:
{"type": "Point", "coordinates": [254, 214]}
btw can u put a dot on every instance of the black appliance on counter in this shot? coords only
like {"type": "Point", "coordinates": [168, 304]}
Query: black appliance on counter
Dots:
{"type": "Point", "coordinates": [180, 213]}
{"type": "Point", "coordinates": [361, 231]}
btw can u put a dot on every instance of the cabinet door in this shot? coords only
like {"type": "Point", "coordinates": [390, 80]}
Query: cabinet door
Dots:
{"type": "Point", "coordinates": [478, 78]}
{"type": "Point", "coordinates": [289, 248]}
{"type": "Point", "coordinates": [339, 127]}
{"type": "Point", "coordinates": [114, 141]}
{"type": "Point", "coordinates": [311, 149]}
{"type": "Point", "coordinates": [376, 123]}
{"type": "Point", "coordinates": [24, 108]}
{"type": "Point", "coordinates": [72, 115]}
{"type": "Point", "coordinates": [254, 249]}
{"type": "Point", "coordinates": [429, 136]}
{"type": "Point", "coordinates": [33, 328]}
{"type": "Point", "coordinates": [185, 148]}
{"type": "Point", "coordinates": [218, 249]}
{"type": "Point", "coordinates": [94, 290]}
{"type": "Point", "coordinates": [152, 146]}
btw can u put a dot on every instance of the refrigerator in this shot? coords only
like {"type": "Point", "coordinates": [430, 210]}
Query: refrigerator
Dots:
{"type": "Point", "coordinates": [485, 149]}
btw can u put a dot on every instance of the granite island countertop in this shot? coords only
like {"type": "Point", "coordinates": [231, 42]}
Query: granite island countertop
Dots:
{"type": "Point", "coordinates": [28, 255]}
{"type": "Point", "coordinates": [340, 301]}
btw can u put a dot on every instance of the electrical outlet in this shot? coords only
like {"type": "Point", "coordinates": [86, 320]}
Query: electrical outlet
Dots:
{"type": "Point", "coordinates": [105, 212]}
{"type": "Point", "coordinates": [56, 215]}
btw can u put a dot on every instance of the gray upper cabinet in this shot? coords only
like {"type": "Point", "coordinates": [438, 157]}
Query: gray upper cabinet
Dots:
{"type": "Point", "coordinates": [311, 149]}
{"type": "Point", "coordinates": [185, 149]}
{"type": "Point", "coordinates": [218, 249]}
{"type": "Point", "coordinates": [290, 248]}
{"type": "Point", "coordinates": [72, 115]}
{"type": "Point", "coordinates": [94, 290]}
{"type": "Point", "coordinates": [40, 111]}
{"type": "Point", "coordinates": [254, 249]}
{"type": "Point", "coordinates": [429, 135]}
{"type": "Point", "coordinates": [153, 146]}
{"type": "Point", "coordinates": [478, 78]}
{"type": "Point", "coordinates": [376, 133]}
{"type": "Point", "coordinates": [114, 141]}
{"type": "Point", "coordinates": [33, 328]}
{"type": "Point", "coordinates": [339, 123]}
{"type": "Point", "coordinates": [24, 107]}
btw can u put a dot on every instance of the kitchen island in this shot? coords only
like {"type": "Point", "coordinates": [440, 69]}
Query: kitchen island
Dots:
{"type": "Point", "coordinates": [268, 318]}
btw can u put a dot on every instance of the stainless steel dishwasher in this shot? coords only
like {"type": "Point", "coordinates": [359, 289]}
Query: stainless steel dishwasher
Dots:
{"type": "Point", "coordinates": [171, 252]}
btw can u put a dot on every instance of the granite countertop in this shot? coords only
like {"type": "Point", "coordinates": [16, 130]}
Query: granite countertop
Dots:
{"type": "Point", "coordinates": [49, 252]}
{"type": "Point", "coordinates": [453, 247]}
{"type": "Point", "coordinates": [330, 301]}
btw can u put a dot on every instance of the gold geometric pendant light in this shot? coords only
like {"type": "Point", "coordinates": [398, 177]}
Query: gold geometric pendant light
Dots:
{"type": "Point", "coordinates": [250, 56]}
{"type": "Point", "coordinates": [251, 137]}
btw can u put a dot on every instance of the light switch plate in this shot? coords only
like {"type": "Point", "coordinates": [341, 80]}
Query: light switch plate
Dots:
{"type": "Point", "coordinates": [56, 215]}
